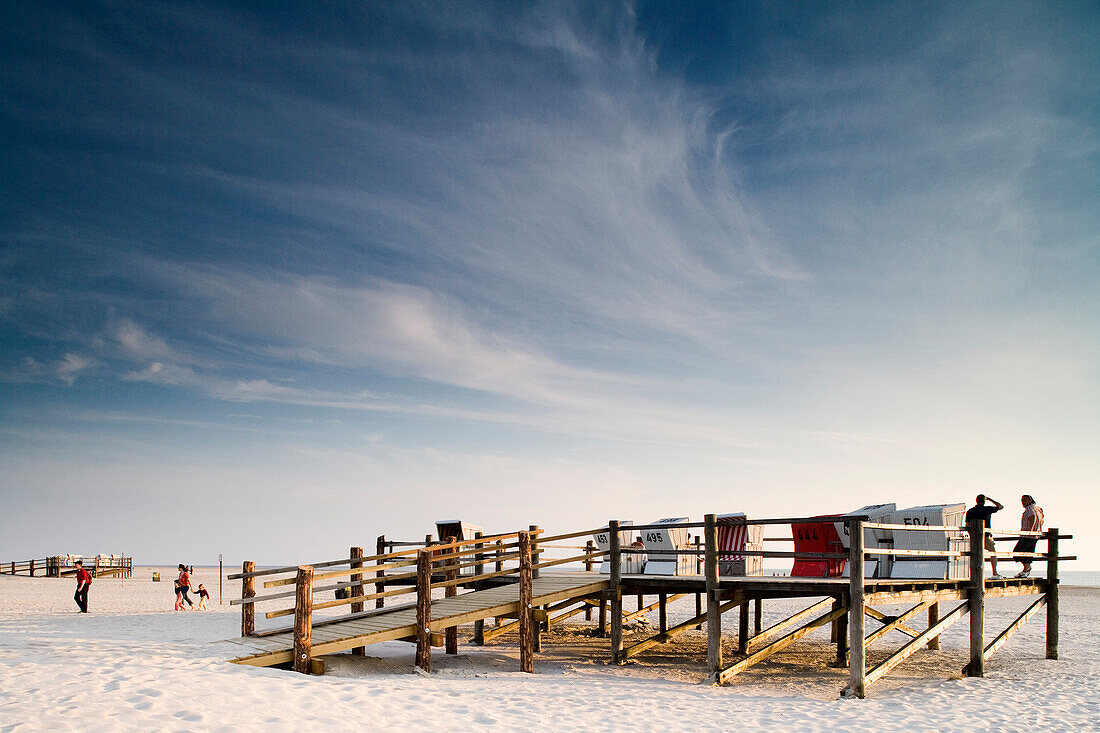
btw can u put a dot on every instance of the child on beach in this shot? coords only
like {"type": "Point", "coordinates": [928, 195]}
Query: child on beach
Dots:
{"type": "Point", "coordinates": [203, 595]}
{"type": "Point", "coordinates": [183, 584]}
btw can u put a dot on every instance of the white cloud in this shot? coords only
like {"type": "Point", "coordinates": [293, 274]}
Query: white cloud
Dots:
{"type": "Point", "coordinates": [70, 367]}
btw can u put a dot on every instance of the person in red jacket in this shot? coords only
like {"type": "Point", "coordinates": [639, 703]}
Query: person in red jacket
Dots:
{"type": "Point", "coordinates": [83, 583]}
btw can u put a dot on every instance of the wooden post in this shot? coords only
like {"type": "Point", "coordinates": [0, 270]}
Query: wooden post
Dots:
{"type": "Point", "coordinates": [303, 619]}
{"type": "Point", "coordinates": [479, 625]}
{"type": "Point", "coordinates": [933, 619]}
{"type": "Point", "coordinates": [699, 610]}
{"type": "Point", "coordinates": [841, 636]}
{"type": "Point", "coordinates": [535, 555]}
{"type": "Point", "coordinates": [976, 600]}
{"type": "Point", "coordinates": [743, 626]}
{"type": "Point", "coordinates": [589, 548]}
{"type": "Point", "coordinates": [32, 568]}
{"type": "Point", "coordinates": [357, 590]}
{"type": "Point", "coordinates": [714, 612]}
{"type": "Point", "coordinates": [1052, 593]}
{"type": "Point", "coordinates": [424, 610]}
{"type": "Point", "coordinates": [662, 612]}
{"type": "Point", "coordinates": [380, 549]}
{"type": "Point", "coordinates": [500, 551]}
{"type": "Point", "coordinates": [248, 590]}
{"type": "Point", "coordinates": [758, 617]}
{"type": "Point", "coordinates": [857, 660]}
{"type": "Point", "coordinates": [450, 634]}
{"type": "Point", "coordinates": [526, 630]}
{"type": "Point", "coordinates": [616, 559]}
{"type": "Point", "coordinates": [601, 630]}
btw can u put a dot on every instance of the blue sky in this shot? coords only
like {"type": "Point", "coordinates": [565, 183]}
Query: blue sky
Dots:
{"type": "Point", "coordinates": [276, 281]}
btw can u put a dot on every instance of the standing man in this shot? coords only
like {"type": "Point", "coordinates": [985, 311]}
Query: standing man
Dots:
{"type": "Point", "coordinates": [83, 582]}
{"type": "Point", "coordinates": [1031, 521]}
{"type": "Point", "coordinates": [980, 511]}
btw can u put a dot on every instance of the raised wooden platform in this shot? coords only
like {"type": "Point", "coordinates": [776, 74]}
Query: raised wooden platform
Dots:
{"type": "Point", "coordinates": [371, 627]}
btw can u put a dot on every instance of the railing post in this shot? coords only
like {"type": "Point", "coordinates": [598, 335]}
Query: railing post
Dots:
{"type": "Point", "coordinates": [32, 568]}
{"type": "Point", "coordinates": [1052, 593]}
{"type": "Point", "coordinates": [714, 611]}
{"type": "Point", "coordinates": [589, 548]}
{"type": "Point", "coordinates": [479, 568]}
{"type": "Point", "coordinates": [450, 634]}
{"type": "Point", "coordinates": [616, 578]}
{"type": "Point", "coordinates": [424, 610]}
{"type": "Point", "coordinates": [499, 551]}
{"type": "Point", "coordinates": [380, 549]}
{"type": "Point", "coordinates": [248, 590]}
{"type": "Point", "coordinates": [535, 554]}
{"type": "Point", "coordinates": [357, 590]}
{"type": "Point", "coordinates": [303, 620]}
{"type": "Point", "coordinates": [857, 666]}
{"type": "Point", "coordinates": [526, 623]}
{"type": "Point", "coordinates": [976, 600]}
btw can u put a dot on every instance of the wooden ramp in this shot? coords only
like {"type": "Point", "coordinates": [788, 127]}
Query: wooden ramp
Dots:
{"type": "Point", "coordinates": [400, 623]}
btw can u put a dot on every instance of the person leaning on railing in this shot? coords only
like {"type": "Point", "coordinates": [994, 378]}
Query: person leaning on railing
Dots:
{"type": "Point", "coordinates": [982, 512]}
{"type": "Point", "coordinates": [1031, 521]}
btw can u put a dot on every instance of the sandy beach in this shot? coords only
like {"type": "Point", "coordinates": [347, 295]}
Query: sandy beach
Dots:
{"type": "Point", "coordinates": [134, 664]}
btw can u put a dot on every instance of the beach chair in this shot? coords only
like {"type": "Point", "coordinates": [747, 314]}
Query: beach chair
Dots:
{"type": "Point", "coordinates": [632, 562]}
{"type": "Point", "coordinates": [661, 545]}
{"type": "Point", "coordinates": [817, 537]}
{"type": "Point", "coordinates": [943, 515]}
{"type": "Point", "coordinates": [875, 566]}
{"type": "Point", "coordinates": [734, 536]}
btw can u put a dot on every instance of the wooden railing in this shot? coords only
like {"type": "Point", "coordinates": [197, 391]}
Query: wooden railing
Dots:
{"type": "Point", "coordinates": [57, 565]}
{"type": "Point", "coordinates": [30, 567]}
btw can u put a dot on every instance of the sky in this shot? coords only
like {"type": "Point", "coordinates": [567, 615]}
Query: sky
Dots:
{"type": "Point", "coordinates": [277, 278]}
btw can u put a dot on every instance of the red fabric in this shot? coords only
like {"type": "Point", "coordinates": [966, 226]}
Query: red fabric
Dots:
{"type": "Point", "coordinates": [82, 576]}
{"type": "Point", "coordinates": [185, 579]}
{"type": "Point", "coordinates": [817, 537]}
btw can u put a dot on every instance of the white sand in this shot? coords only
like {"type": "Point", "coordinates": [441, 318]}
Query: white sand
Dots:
{"type": "Point", "coordinates": [134, 664]}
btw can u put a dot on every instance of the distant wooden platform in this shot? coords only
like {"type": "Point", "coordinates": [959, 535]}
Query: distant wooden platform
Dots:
{"type": "Point", "coordinates": [372, 627]}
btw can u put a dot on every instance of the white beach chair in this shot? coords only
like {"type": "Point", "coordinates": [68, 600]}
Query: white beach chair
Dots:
{"type": "Point", "coordinates": [876, 566]}
{"type": "Point", "coordinates": [943, 515]}
{"type": "Point", "coordinates": [632, 562]}
{"type": "Point", "coordinates": [661, 544]}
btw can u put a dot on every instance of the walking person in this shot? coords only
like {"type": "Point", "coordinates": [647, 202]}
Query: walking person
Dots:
{"type": "Point", "coordinates": [183, 584]}
{"type": "Point", "coordinates": [203, 596]}
{"type": "Point", "coordinates": [83, 583]}
{"type": "Point", "coordinates": [981, 511]}
{"type": "Point", "coordinates": [1030, 521]}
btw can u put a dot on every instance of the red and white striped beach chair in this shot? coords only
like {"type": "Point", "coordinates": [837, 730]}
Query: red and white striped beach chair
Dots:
{"type": "Point", "coordinates": [734, 537]}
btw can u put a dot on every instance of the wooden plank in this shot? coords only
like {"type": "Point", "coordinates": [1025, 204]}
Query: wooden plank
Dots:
{"type": "Point", "coordinates": [915, 644]}
{"type": "Point", "coordinates": [896, 623]}
{"type": "Point", "coordinates": [1052, 594]}
{"type": "Point", "coordinates": [976, 599]}
{"type": "Point", "coordinates": [636, 649]}
{"type": "Point", "coordinates": [303, 620]}
{"type": "Point", "coordinates": [857, 650]}
{"type": "Point", "coordinates": [1014, 627]}
{"type": "Point", "coordinates": [786, 623]}
{"type": "Point", "coordinates": [782, 643]}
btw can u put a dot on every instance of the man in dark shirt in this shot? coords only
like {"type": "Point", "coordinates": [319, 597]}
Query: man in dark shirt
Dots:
{"type": "Point", "coordinates": [83, 583]}
{"type": "Point", "coordinates": [982, 512]}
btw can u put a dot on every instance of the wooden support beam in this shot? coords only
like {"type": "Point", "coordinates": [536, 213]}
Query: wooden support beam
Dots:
{"type": "Point", "coordinates": [424, 610]}
{"type": "Point", "coordinates": [1052, 594]}
{"type": "Point", "coordinates": [647, 609]}
{"type": "Point", "coordinates": [976, 599]}
{"type": "Point", "coordinates": [616, 561]}
{"type": "Point", "coordinates": [248, 590]}
{"type": "Point", "coordinates": [662, 612]}
{"type": "Point", "coordinates": [714, 609]}
{"type": "Point", "coordinates": [589, 548]}
{"type": "Point", "coordinates": [857, 659]}
{"type": "Point", "coordinates": [757, 616]}
{"type": "Point", "coordinates": [724, 676]}
{"type": "Point", "coordinates": [743, 628]}
{"type": "Point", "coordinates": [451, 573]}
{"type": "Point", "coordinates": [533, 531]}
{"type": "Point", "coordinates": [916, 644]}
{"type": "Point", "coordinates": [1015, 626]}
{"type": "Point", "coordinates": [479, 625]}
{"type": "Point", "coordinates": [357, 590]}
{"type": "Point", "coordinates": [893, 623]}
{"type": "Point", "coordinates": [303, 620]}
{"type": "Point", "coordinates": [526, 623]}
{"type": "Point", "coordinates": [933, 619]}
{"type": "Point", "coordinates": [661, 638]}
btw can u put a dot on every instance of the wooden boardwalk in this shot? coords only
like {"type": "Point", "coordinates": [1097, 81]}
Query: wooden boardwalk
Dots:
{"type": "Point", "coordinates": [371, 627]}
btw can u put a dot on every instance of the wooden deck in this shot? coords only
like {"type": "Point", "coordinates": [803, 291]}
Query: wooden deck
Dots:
{"type": "Point", "coordinates": [372, 627]}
